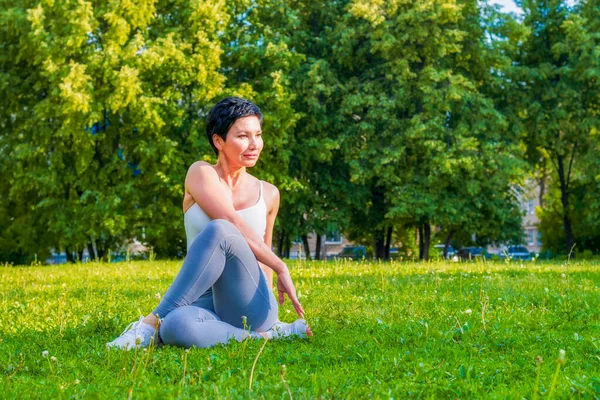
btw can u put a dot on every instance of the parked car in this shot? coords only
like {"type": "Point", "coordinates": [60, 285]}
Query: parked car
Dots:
{"type": "Point", "coordinates": [352, 252]}
{"type": "Point", "coordinates": [397, 253]}
{"type": "Point", "coordinates": [440, 249]}
{"type": "Point", "coordinates": [472, 253]}
{"type": "Point", "coordinates": [515, 253]}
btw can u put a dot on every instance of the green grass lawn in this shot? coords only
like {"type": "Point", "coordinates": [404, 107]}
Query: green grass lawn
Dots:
{"type": "Point", "coordinates": [441, 330]}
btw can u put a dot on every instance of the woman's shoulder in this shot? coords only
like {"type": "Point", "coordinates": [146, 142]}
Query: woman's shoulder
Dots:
{"type": "Point", "coordinates": [200, 165]}
{"type": "Point", "coordinates": [270, 194]}
{"type": "Point", "coordinates": [270, 189]}
{"type": "Point", "coordinates": [200, 169]}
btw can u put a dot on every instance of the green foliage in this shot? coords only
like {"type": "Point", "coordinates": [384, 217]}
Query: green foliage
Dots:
{"type": "Point", "coordinates": [466, 330]}
{"type": "Point", "coordinates": [99, 117]}
{"type": "Point", "coordinates": [556, 100]}
{"type": "Point", "coordinates": [379, 116]}
{"type": "Point", "coordinates": [586, 235]}
{"type": "Point", "coordinates": [421, 132]}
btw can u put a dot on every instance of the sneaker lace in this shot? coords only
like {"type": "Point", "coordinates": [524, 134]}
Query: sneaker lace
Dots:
{"type": "Point", "coordinates": [132, 328]}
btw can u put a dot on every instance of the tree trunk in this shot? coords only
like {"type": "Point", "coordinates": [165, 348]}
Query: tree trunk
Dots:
{"type": "Point", "coordinates": [424, 241]}
{"type": "Point", "coordinates": [388, 242]}
{"type": "Point", "coordinates": [379, 244]}
{"type": "Point", "coordinates": [318, 248]}
{"type": "Point", "coordinates": [80, 255]}
{"type": "Point", "coordinates": [564, 197]}
{"type": "Point", "coordinates": [90, 247]}
{"type": "Point", "coordinates": [69, 255]}
{"type": "Point", "coordinates": [101, 251]}
{"type": "Point", "coordinates": [306, 247]}
{"type": "Point", "coordinates": [542, 185]}
{"type": "Point", "coordinates": [280, 241]}
{"type": "Point", "coordinates": [420, 239]}
{"type": "Point", "coordinates": [447, 244]}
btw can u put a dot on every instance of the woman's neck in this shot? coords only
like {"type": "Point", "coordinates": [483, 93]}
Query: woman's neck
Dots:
{"type": "Point", "coordinates": [230, 175]}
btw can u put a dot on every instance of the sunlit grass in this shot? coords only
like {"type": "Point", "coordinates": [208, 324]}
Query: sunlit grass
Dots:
{"type": "Point", "coordinates": [381, 329]}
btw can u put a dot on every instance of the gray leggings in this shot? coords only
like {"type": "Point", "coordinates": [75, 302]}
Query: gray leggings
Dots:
{"type": "Point", "coordinates": [218, 259]}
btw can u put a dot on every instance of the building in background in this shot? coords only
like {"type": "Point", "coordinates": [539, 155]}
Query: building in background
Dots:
{"type": "Point", "coordinates": [331, 245]}
{"type": "Point", "coordinates": [530, 200]}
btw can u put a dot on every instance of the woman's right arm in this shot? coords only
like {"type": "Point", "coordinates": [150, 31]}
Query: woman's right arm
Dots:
{"type": "Point", "coordinates": [202, 182]}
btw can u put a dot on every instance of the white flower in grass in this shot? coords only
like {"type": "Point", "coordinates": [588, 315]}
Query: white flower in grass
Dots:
{"type": "Point", "coordinates": [468, 311]}
{"type": "Point", "coordinates": [45, 353]}
{"type": "Point", "coordinates": [76, 382]}
{"type": "Point", "coordinates": [561, 356]}
{"type": "Point", "coordinates": [157, 296]}
{"type": "Point", "coordinates": [53, 359]}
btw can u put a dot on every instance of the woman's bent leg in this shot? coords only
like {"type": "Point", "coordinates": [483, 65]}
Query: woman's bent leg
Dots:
{"type": "Point", "coordinates": [221, 258]}
{"type": "Point", "coordinates": [196, 327]}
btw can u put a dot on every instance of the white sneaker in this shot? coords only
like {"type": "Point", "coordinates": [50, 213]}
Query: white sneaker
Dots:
{"type": "Point", "coordinates": [137, 334]}
{"type": "Point", "coordinates": [282, 330]}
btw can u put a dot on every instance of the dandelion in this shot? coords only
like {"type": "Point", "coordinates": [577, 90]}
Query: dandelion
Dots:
{"type": "Point", "coordinates": [138, 341]}
{"type": "Point", "coordinates": [185, 354]}
{"type": "Point", "coordinates": [468, 311]}
{"type": "Point", "coordinates": [561, 356]}
{"type": "Point", "coordinates": [53, 359]}
{"type": "Point", "coordinates": [45, 354]}
{"type": "Point", "coordinates": [157, 296]}
{"type": "Point", "coordinates": [76, 382]}
{"type": "Point", "coordinates": [559, 361]}
{"type": "Point", "coordinates": [540, 361]}
{"type": "Point", "coordinates": [563, 275]}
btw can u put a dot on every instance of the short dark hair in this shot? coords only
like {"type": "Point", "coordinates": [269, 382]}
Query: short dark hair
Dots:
{"type": "Point", "coordinates": [224, 114]}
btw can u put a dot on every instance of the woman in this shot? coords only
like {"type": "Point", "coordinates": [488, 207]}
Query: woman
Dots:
{"type": "Point", "coordinates": [223, 289]}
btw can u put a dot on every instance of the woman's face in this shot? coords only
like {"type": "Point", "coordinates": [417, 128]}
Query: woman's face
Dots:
{"type": "Point", "coordinates": [244, 142]}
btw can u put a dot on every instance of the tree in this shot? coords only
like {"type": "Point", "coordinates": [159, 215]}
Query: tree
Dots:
{"type": "Point", "coordinates": [422, 134]}
{"type": "Point", "coordinates": [99, 118]}
{"type": "Point", "coordinates": [556, 88]}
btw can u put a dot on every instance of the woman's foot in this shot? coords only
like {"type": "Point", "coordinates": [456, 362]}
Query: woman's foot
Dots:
{"type": "Point", "coordinates": [282, 330]}
{"type": "Point", "coordinates": [137, 334]}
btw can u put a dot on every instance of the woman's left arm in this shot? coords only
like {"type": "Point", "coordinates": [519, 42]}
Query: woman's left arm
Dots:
{"type": "Point", "coordinates": [272, 199]}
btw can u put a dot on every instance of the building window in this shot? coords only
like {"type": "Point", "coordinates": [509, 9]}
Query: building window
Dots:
{"type": "Point", "coordinates": [530, 237]}
{"type": "Point", "coordinates": [333, 237]}
{"type": "Point", "coordinates": [530, 207]}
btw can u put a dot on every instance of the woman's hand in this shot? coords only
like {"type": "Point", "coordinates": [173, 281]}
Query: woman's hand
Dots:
{"type": "Point", "coordinates": [286, 286]}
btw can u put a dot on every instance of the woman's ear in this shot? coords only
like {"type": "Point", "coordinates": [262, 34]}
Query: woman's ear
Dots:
{"type": "Point", "coordinates": [217, 141]}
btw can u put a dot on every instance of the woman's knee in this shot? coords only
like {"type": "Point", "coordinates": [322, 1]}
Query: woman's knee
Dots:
{"type": "Point", "coordinates": [222, 227]}
{"type": "Point", "coordinates": [181, 324]}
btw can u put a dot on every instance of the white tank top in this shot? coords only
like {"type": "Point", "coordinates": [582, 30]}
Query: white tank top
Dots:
{"type": "Point", "coordinates": [195, 219]}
